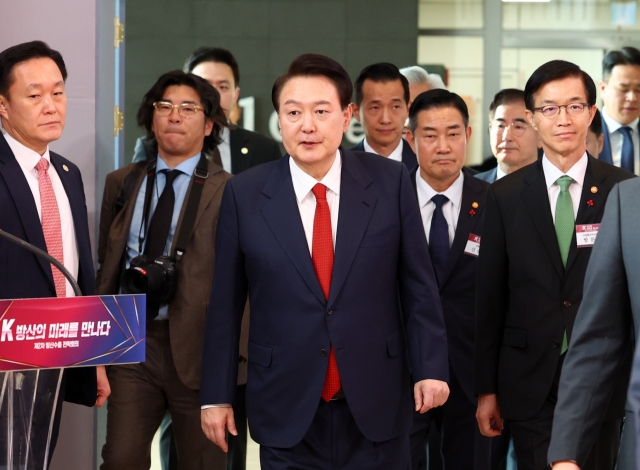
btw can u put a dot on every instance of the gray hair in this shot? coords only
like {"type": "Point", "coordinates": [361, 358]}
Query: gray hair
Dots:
{"type": "Point", "coordinates": [416, 74]}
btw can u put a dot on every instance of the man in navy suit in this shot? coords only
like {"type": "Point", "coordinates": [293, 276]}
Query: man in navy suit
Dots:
{"type": "Point", "coordinates": [451, 204]}
{"type": "Point", "coordinates": [32, 112]}
{"type": "Point", "coordinates": [382, 106]}
{"type": "Point", "coordinates": [620, 90]}
{"type": "Point", "coordinates": [514, 142]}
{"type": "Point", "coordinates": [328, 243]}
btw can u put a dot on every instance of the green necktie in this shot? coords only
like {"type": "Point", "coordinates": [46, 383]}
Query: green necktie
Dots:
{"type": "Point", "coordinates": [565, 225]}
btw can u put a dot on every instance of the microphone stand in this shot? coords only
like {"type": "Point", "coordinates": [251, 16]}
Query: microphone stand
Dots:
{"type": "Point", "coordinates": [45, 255]}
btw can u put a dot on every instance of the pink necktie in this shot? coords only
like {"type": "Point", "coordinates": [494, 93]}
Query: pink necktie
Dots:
{"type": "Point", "coordinates": [51, 227]}
{"type": "Point", "coordinates": [322, 257]}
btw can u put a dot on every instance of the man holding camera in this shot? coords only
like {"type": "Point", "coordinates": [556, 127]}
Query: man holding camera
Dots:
{"type": "Point", "coordinates": [157, 226]}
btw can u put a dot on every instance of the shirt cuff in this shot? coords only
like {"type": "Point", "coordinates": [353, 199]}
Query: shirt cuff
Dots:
{"type": "Point", "coordinates": [220, 405]}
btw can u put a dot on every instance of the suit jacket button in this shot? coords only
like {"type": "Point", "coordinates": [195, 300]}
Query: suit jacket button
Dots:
{"type": "Point", "coordinates": [323, 352]}
{"type": "Point", "coordinates": [566, 304]}
{"type": "Point", "coordinates": [330, 311]}
{"type": "Point", "coordinates": [556, 344]}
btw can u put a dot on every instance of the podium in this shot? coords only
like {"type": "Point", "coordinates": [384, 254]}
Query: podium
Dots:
{"type": "Point", "coordinates": [39, 339]}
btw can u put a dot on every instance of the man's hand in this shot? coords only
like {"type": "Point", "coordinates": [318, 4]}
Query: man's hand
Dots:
{"type": "Point", "coordinates": [565, 465]}
{"type": "Point", "coordinates": [215, 422]}
{"type": "Point", "coordinates": [104, 389]}
{"type": "Point", "coordinates": [429, 394]}
{"type": "Point", "coordinates": [488, 415]}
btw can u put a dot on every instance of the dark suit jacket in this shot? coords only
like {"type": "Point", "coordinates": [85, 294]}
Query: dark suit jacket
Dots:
{"type": "Point", "coordinates": [489, 176]}
{"type": "Point", "coordinates": [458, 287]}
{"type": "Point", "coordinates": [408, 157]}
{"type": "Point", "coordinates": [598, 359]}
{"type": "Point", "coordinates": [605, 155]}
{"type": "Point", "coordinates": [187, 312]}
{"type": "Point", "coordinates": [382, 268]}
{"type": "Point", "coordinates": [23, 274]}
{"type": "Point", "coordinates": [525, 298]}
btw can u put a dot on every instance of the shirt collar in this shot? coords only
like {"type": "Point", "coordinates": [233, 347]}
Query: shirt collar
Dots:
{"type": "Point", "coordinates": [395, 155]}
{"type": "Point", "coordinates": [303, 182]}
{"type": "Point", "coordinates": [426, 192]}
{"type": "Point", "coordinates": [225, 135]}
{"type": "Point", "coordinates": [577, 171]}
{"type": "Point", "coordinates": [26, 157]}
{"type": "Point", "coordinates": [500, 173]}
{"type": "Point", "coordinates": [187, 167]}
{"type": "Point", "coordinates": [613, 125]}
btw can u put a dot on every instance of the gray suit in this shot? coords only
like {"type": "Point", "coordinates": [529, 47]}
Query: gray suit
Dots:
{"type": "Point", "coordinates": [597, 365]}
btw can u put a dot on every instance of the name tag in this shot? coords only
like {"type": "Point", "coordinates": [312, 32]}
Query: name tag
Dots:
{"type": "Point", "coordinates": [586, 235]}
{"type": "Point", "coordinates": [473, 245]}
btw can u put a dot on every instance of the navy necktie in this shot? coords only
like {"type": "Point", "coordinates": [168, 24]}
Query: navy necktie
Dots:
{"type": "Point", "coordinates": [627, 160]}
{"type": "Point", "coordinates": [439, 237]}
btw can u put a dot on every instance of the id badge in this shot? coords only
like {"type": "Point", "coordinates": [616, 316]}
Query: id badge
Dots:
{"type": "Point", "coordinates": [586, 235]}
{"type": "Point", "coordinates": [473, 245]}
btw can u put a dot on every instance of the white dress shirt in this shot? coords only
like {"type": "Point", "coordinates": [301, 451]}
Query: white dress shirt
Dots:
{"type": "Point", "coordinates": [303, 183]}
{"type": "Point", "coordinates": [28, 159]}
{"type": "Point", "coordinates": [395, 155]}
{"type": "Point", "coordinates": [616, 138]}
{"type": "Point", "coordinates": [450, 209]}
{"type": "Point", "coordinates": [499, 173]}
{"type": "Point", "coordinates": [224, 147]}
{"type": "Point", "coordinates": [552, 173]}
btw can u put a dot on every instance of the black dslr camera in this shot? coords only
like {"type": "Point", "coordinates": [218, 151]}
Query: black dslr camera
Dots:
{"type": "Point", "coordinates": [156, 277]}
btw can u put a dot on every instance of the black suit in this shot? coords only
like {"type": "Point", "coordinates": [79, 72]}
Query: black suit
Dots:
{"type": "Point", "coordinates": [526, 299]}
{"type": "Point", "coordinates": [457, 294]}
{"type": "Point", "coordinates": [408, 156]}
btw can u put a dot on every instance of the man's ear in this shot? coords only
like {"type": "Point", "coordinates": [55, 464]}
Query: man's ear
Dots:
{"type": "Point", "coordinates": [356, 111]}
{"type": "Point", "coordinates": [529, 115]}
{"type": "Point", "coordinates": [412, 141]}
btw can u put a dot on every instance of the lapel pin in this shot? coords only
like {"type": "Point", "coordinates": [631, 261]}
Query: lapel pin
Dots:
{"type": "Point", "coordinates": [594, 189]}
{"type": "Point", "coordinates": [474, 205]}
{"type": "Point", "coordinates": [244, 150]}
{"type": "Point", "coordinates": [472, 212]}
{"type": "Point", "coordinates": [65, 167]}
{"type": "Point", "coordinates": [590, 203]}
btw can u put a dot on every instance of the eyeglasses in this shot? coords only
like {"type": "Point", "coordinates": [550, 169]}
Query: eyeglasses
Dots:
{"type": "Point", "coordinates": [573, 109]}
{"type": "Point", "coordinates": [518, 128]}
{"type": "Point", "coordinates": [186, 110]}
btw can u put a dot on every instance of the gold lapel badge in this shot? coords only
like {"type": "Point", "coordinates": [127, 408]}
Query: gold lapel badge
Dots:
{"type": "Point", "coordinates": [594, 189]}
{"type": "Point", "coordinates": [244, 150]}
{"type": "Point", "coordinates": [475, 205]}
{"type": "Point", "coordinates": [65, 167]}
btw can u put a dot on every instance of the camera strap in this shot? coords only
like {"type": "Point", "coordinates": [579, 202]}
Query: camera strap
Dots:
{"type": "Point", "coordinates": [200, 174]}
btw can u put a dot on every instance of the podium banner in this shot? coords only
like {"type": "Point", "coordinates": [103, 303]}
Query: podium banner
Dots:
{"type": "Point", "coordinates": [72, 331]}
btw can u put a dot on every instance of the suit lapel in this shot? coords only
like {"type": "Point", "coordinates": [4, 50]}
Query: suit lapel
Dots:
{"type": "Point", "coordinates": [211, 187]}
{"type": "Point", "coordinates": [408, 157]}
{"type": "Point", "coordinates": [239, 161]}
{"type": "Point", "coordinates": [356, 207]}
{"type": "Point", "coordinates": [536, 200]}
{"type": "Point", "coordinates": [23, 199]}
{"type": "Point", "coordinates": [466, 223]}
{"type": "Point", "coordinates": [587, 213]}
{"type": "Point", "coordinates": [282, 215]}
{"type": "Point", "coordinates": [605, 155]}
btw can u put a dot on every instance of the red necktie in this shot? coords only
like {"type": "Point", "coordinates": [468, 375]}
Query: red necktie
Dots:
{"type": "Point", "coordinates": [51, 227]}
{"type": "Point", "coordinates": [322, 257]}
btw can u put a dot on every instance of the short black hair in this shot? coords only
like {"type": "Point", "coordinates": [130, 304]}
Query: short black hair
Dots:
{"type": "Point", "coordinates": [209, 98]}
{"type": "Point", "coordinates": [19, 53]}
{"type": "Point", "coordinates": [625, 56]}
{"type": "Point", "coordinates": [557, 70]}
{"type": "Point", "coordinates": [213, 54]}
{"type": "Point", "coordinates": [596, 124]}
{"type": "Point", "coordinates": [382, 72]}
{"type": "Point", "coordinates": [506, 96]}
{"type": "Point", "coordinates": [437, 98]}
{"type": "Point", "coordinates": [315, 65]}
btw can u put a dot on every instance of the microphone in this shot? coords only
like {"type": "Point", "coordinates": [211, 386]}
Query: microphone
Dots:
{"type": "Point", "coordinates": [45, 255]}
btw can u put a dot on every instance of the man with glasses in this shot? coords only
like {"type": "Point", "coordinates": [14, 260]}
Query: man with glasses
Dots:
{"type": "Point", "coordinates": [514, 142]}
{"type": "Point", "coordinates": [532, 263]}
{"type": "Point", "coordinates": [620, 90]}
{"type": "Point", "coordinates": [165, 207]}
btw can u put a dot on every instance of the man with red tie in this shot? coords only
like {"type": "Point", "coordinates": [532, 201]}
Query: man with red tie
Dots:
{"type": "Point", "coordinates": [329, 246]}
